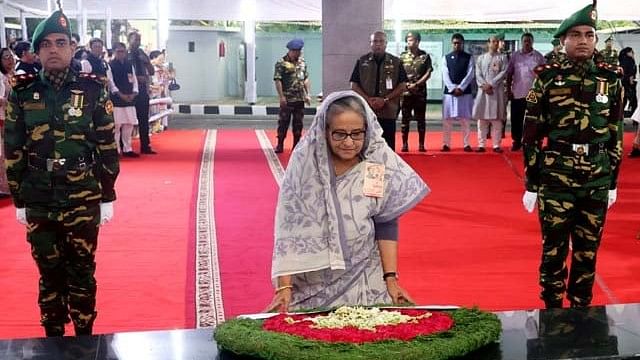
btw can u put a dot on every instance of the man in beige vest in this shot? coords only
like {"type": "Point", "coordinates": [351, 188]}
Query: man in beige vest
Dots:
{"type": "Point", "coordinates": [380, 78]}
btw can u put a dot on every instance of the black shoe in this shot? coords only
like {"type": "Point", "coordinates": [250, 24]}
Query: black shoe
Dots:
{"type": "Point", "coordinates": [422, 148]}
{"type": "Point", "coordinates": [148, 151]}
{"type": "Point", "coordinates": [497, 150]}
{"type": "Point", "coordinates": [279, 148]}
{"type": "Point", "coordinates": [54, 330]}
{"type": "Point", "coordinates": [553, 304]}
{"type": "Point", "coordinates": [467, 149]}
{"type": "Point", "coordinates": [635, 152]}
{"type": "Point", "coordinates": [130, 154]}
{"type": "Point", "coordinates": [516, 147]}
{"type": "Point", "coordinates": [445, 148]}
{"type": "Point", "coordinates": [480, 149]}
{"type": "Point", "coordinates": [405, 148]}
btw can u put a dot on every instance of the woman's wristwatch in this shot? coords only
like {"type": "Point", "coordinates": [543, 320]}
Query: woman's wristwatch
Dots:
{"type": "Point", "coordinates": [389, 274]}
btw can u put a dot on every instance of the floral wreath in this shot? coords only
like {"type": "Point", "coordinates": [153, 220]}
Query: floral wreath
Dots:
{"type": "Point", "coordinates": [468, 330]}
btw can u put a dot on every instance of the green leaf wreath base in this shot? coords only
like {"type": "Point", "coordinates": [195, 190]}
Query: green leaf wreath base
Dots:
{"type": "Point", "coordinates": [473, 329]}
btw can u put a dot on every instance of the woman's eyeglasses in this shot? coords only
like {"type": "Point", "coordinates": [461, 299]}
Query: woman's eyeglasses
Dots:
{"type": "Point", "coordinates": [356, 135]}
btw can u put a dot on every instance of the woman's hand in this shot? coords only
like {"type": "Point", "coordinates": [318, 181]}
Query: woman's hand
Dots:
{"type": "Point", "coordinates": [280, 302]}
{"type": "Point", "coordinates": [397, 293]}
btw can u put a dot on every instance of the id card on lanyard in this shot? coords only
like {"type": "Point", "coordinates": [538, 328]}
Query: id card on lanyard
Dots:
{"type": "Point", "coordinates": [373, 185]}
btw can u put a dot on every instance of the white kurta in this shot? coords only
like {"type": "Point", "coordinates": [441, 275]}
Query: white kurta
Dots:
{"type": "Point", "coordinates": [490, 69]}
{"type": "Point", "coordinates": [457, 106]}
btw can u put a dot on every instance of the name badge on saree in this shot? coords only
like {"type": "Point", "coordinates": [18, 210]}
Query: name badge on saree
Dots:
{"type": "Point", "coordinates": [373, 180]}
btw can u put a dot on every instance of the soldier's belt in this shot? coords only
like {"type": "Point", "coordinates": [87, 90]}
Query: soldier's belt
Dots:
{"type": "Point", "coordinates": [80, 163]}
{"type": "Point", "coordinates": [577, 149]}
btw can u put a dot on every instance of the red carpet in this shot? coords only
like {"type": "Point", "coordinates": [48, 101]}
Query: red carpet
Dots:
{"type": "Point", "coordinates": [246, 194]}
{"type": "Point", "coordinates": [143, 264]}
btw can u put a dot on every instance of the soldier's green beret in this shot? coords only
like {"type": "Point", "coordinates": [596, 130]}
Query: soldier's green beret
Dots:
{"type": "Point", "coordinates": [295, 44]}
{"type": "Point", "coordinates": [555, 42]}
{"type": "Point", "coordinates": [414, 34]}
{"type": "Point", "coordinates": [586, 16]}
{"type": "Point", "coordinates": [55, 23]}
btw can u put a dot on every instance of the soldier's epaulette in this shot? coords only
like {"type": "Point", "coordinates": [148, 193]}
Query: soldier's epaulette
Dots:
{"type": "Point", "coordinates": [93, 77]}
{"type": "Point", "coordinates": [611, 68]}
{"type": "Point", "coordinates": [540, 69]}
{"type": "Point", "coordinates": [23, 81]}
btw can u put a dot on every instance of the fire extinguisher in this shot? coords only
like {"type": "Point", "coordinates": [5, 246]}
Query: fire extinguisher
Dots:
{"type": "Point", "coordinates": [221, 49]}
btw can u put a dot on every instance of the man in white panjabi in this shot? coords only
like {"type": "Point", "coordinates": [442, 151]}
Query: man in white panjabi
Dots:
{"type": "Point", "coordinates": [489, 106]}
{"type": "Point", "coordinates": [457, 102]}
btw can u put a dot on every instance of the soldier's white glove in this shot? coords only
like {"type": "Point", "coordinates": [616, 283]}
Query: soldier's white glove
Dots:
{"type": "Point", "coordinates": [21, 215]}
{"type": "Point", "coordinates": [106, 212]}
{"type": "Point", "coordinates": [529, 200]}
{"type": "Point", "coordinates": [613, 196]}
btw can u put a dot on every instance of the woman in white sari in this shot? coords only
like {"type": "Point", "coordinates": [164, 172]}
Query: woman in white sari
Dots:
{"type": "Point", "coordinates": [337, 216]}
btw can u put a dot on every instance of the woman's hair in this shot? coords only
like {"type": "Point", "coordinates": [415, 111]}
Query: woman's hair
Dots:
{"type": "Point", "coordinates": [154, 54]}
{"type": "Point", "coordinates": [348, 103]}
{"type": "Point", "coordinates": [623, 53]}
{"type": "Point", "coordinates": [2, 51]}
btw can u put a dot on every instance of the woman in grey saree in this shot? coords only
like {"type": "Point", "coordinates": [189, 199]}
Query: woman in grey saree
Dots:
{"type": "Point", "coordinates": [336, 225]}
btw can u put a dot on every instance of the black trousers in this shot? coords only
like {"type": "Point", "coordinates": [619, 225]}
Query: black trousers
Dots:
{"type": "Point", "coordinates": [142, 112]}
{"type": "Point", "coordinates": [630, 98]}
{"type": "Point", "coordinates": [518, 108]}
{"type": "Point", "coordinates": [389, 131]}
{"type": "Point", "coordinates": [414, 107]}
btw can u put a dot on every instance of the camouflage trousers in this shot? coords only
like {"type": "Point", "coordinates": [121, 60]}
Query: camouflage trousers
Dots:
{"type": "Point", "coordinates": [293, 110]}
{"type": "Point", "coordinates": [576, 215]}
{"type": "Point", "coordinates": [63, 245]}
{"type": "Point", "coordinates": [414, 107]}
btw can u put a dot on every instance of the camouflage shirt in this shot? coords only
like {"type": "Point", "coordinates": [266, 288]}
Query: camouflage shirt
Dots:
{"type": "Point", "coordinates": [610, 56]}
{"type": "Point", "coordinates": [292, 75]}
{"type": "Point", "coordinates": [572, 105]}
{"type": "Point", "coordinates": [59, 144]}
{"type": "Point", "coordinates": [552, 56]}
{"type": "Point", "coordinates": [416, 66]}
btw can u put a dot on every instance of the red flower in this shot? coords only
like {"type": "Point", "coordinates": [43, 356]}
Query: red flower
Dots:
{"type": "Point", "coordinates": [437, 322]}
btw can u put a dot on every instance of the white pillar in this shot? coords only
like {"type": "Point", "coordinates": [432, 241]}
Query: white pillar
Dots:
{"type": "Point", "coordinates": [250, 95]}
{"type": "Point", "coordinates": [109, 35]}
{"type": "Point", "coordinates": [346, 28]}
{"type": "Point", "coordinates": [84, 37]}
{"type": "Point", "coordinates": [79, 30]}
{"type": "Point", "coordinates": [3, 32]}
{"type": "Point", "coordinates": [162, 25]}
{"type": "Point", "coordinates": [23, 25]}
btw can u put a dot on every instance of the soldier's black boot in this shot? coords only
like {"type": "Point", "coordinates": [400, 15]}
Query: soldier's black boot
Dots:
{"type": "Point", "coordinates": [635, 152]}
{"type": "Point", "coordinates": [280, 146]}
{"type": "Point", "coordinates": [54, 330]}
{"type": "Point", "coordinates": [83, 327]}
{"type": "Point", "coordinates": [296, 140]}
{"type": "Point", "coordinates": [405, 141]}
{"type": "Point", "coordinates": [421, 136]}
{"type": "Point", "coordinates": [553, 304]}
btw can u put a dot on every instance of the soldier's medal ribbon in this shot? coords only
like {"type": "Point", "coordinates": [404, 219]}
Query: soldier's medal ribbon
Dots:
{"type": "Point", "coordinates": [603, 90]}
{"type": "Point", "coordinates": [558, 80]}
{"type": "Point", "coordinates": [77, 102]}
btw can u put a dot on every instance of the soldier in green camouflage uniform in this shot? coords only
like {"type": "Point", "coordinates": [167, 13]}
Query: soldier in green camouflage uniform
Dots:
{"type": "Point", "coordinates": [577, 106]}
{"type": "Point", "coordinates": [417, 65]}
{"type": "Point", "coordinates": [292, 84]}
{"type": "Point", "coordinates": [555, 55]}
{"type": "Point", "coordinates": [62, 164]}
{"type": "Point", "coordinates": [609, 54]}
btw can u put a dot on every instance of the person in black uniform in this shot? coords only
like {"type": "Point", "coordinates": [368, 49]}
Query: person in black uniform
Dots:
{"type": "Point", "coordinates": [27, 63]}
{"type": "Point", "coordinates": [144, 71]}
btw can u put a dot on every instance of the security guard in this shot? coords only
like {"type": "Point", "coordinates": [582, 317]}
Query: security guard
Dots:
{"type": "Point", "coordinates": [577, 106]}
{"type": "Point", "coordinates": [555, 55]}
{"type": "Point", "coordinates": [62, 165]}
{"type": "Point", "coordinates": [292, 84]}
{"type": "Point", "coordinates": [609, 54]}
{"type": "Point", "coordinates": [417, 65]}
